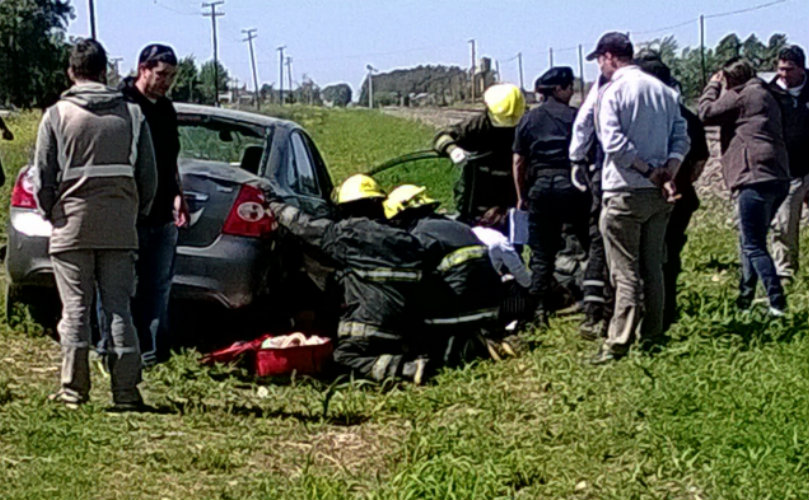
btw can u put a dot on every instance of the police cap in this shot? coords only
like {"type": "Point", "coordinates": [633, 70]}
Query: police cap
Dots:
{"type": "Point", "coordinates": [558, 75]}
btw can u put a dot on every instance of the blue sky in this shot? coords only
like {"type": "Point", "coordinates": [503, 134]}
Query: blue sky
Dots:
{"type": "Point", "coordinates": [332, 41]}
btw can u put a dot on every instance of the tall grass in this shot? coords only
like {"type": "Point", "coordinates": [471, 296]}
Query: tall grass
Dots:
{"type": "Point", "coordinates": [720, 412]}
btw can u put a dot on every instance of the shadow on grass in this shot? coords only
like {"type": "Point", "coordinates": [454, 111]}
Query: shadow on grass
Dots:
{"type": "Point", "coordinates": [338, 419]}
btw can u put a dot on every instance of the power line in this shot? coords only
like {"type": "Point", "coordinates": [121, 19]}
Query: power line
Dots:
{"type": "Point", "coordinates": [748, 9]}
{"type": "Point", "coordinates": [172, 9]}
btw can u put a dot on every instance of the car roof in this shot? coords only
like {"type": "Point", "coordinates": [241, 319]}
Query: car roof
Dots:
{"type": "Point", "coordinates": [233, 115]}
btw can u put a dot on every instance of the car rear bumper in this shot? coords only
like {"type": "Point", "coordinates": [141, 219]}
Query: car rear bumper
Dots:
{"type": "Point", "coordinates": [232, 271]}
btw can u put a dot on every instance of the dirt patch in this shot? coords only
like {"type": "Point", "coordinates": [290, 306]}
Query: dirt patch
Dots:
{"type": "Point", "coordinates": [358, 450]}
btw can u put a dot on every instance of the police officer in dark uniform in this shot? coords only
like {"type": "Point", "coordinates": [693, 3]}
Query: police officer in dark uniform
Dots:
{"type": "Point", "coordinates": [380, 268]}
{"type": "Point", "coordinates": [543, 182]}
{"type": "Point", "coordinates": [481, 146]}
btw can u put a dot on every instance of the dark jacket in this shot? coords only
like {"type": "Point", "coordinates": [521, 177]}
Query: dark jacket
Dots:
{"type": "Point", "coordinates": [543, 136]}
{"type": "Point", "coordinates": [487, 179]}
{"type": "Point", "coordinates": [162, 120]}
{"type": "Point", "coordinates": [697, 153]}
{"type": "Point", "coordinates": [380, 268]}
{"type": "Point", "coordinates": [751, 135]}
{"type": "Point", "coordinates": [462, 286]}
{"type": "Point", "coordinates": [795, 113]}
{"type": "Point", "coordinates": [477, 135]}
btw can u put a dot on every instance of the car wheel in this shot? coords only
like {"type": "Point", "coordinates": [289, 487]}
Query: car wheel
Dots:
{"type": "Point", "coordinates": [42, 304]}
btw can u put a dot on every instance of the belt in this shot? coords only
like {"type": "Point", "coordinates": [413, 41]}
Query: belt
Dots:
{"type": "Point", "coordinates": [543, 172]}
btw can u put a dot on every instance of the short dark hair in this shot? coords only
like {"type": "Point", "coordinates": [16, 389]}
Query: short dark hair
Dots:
{"type": "Point", "coordinates": [155, 53]}
{"type": "Point", "coordinates": [88, 60]}
{"type": "Point", "coordinates": [738, 70]}
{"type": "Point", "coordinates": [650, 62]}
{"type": "Point", "coordinates": [794, 54]}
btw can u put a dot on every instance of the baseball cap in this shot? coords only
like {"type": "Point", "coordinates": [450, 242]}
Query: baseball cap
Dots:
{"type": "Point", "coordinates": [156, 52]}
{"type": "Point", "coordinates": [615, 43]}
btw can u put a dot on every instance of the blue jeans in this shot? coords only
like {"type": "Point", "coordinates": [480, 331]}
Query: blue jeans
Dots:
{"type": "Point", "coordinates": [154, 270]}
{"type": "Point", "coordinates": [757, 204]}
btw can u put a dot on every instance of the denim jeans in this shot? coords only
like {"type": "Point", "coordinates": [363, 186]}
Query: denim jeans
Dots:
{"type": "Point", "coordinates": [757, 205]}
{"type": "Point", "coordinates": [154, 270]}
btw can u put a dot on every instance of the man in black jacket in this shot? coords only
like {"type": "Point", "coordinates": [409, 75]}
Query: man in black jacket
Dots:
{"type": "Point", "coordinates": [157, 231]}
{"type": "Point", "coordinates": [792, 93]}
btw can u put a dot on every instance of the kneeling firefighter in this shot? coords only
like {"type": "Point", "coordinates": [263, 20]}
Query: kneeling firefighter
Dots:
{"type": "Point", "coordinates": [481, 145]}
{"type": "Point", "coordinates": [462, 290]}
{"type": "Point", "coordinates": [380, 269]}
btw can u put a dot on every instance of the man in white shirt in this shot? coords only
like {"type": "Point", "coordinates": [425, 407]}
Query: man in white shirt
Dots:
{"type": "Point", "coordinates": [644, 138]}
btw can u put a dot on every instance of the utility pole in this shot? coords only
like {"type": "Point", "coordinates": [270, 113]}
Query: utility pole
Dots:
{"type": "Point", "coordinates": [581, 73]}
{"type": "Point", "coordinates": [550, 56]}
{"type": "Point", "coordinates": [371, 70]}
{"type": "Point", "coordinates": [497, 69]}
{"type": "Point", "coordinates": [281, 73]}
{"type": "Point", "coordinates": [702, 46]}
{"type": "Point", "coordinates": [91, 8]}
{"type": "Point", "coordinates": [289, 74]}
{"type": "Point", "coordinates": [519, 62]}
{"type": "Point", "coordinates": [213, 15]}
{"type": "Point", "coordinates": [474, 86]}
{"type": "Point", "coordinates": [251, 34]}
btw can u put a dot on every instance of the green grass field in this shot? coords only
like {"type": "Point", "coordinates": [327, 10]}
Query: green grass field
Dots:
{"type": "Point", "coordinates": [721, 412]}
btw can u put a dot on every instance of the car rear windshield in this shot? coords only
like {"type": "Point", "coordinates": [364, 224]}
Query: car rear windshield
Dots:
{"type": "Point", "coordinates": [221, 141]}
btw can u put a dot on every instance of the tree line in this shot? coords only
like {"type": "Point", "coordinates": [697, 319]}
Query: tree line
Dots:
{"type": "Point", "coordinates": [34, 51]}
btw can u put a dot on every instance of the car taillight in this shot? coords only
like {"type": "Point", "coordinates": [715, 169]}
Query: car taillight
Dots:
{"type": "Point", "coordinates": [22, 195]}
{"type": "Point", "coordinates": [250, 215]}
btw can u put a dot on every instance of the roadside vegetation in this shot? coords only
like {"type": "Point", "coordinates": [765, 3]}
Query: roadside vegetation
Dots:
{"type": "Point", "coordinates": [719, 412]}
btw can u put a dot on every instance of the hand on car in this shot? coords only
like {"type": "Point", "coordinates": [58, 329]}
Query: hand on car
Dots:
{"type": "Point", "coordinates": [181, 212]}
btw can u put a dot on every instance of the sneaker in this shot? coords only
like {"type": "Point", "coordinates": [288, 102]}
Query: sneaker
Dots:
{"type": "Point", "coordinates": [493, 347]}
{"type": "Point", "coordinates": [776, 312]}
{"type": "Point", "coordinates": [592, 329]}
{"type": "Point", "coordinates": [416, 370]}
{"type": "Point", "coordinates": [604, 356]}
{"type": "Point", "coordinates": [420, 376]}
{"type": "Point", "coordinates": [512, 346]}
{"type": "Point", "coordinates": [67, 399]}
{"type": "Point", "coordinates": [130, 407]}
{"type": "Point", "coordinates": [744, 303]}
{"type": "Point", "coordinates": [540, 319]}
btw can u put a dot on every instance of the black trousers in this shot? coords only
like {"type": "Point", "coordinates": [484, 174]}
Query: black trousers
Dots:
{"type": "Point", "coordinates": [552, 202]}
{"type": "Point", "coordinates": [676, 238]}
{"type": "Point", "coordinates": [598, 293]}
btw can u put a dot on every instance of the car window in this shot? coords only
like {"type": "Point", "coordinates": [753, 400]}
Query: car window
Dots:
{"type": "Point", "coordinates": [219, 141]}
{"type": "Point", "coordinates": [301, 176]}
